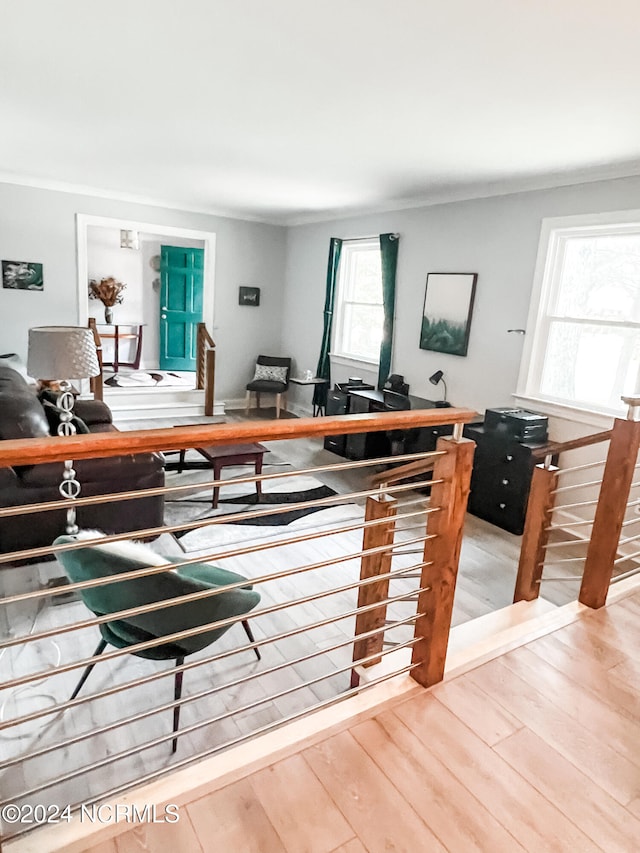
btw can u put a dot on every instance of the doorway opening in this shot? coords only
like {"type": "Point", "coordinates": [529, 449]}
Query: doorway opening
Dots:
{"type": "Point", "coordinates": [145, 336]}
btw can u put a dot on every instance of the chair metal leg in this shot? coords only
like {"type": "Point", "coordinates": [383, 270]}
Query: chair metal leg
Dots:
{"type": "Point", "coordinates": [177, 693]}
{"type": "Point", "coordinates": [100, 648]}
{"type": "Point", "coordinates": [249, 633]}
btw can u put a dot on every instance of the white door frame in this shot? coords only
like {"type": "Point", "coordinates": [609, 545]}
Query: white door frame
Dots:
{"type": "Point", "coordinates": [83, 221]}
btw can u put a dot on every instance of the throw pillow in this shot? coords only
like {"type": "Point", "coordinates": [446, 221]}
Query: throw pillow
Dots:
{"type": "Point", "coordinates": [13, 360]}
{"type": "Point", "coordinates": [271, 373]}
{"type": "Point", "coordinates": [53, 417]}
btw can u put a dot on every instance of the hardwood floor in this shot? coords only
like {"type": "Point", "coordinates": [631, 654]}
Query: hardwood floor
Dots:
{"type": "Point", "coordinates": [536, 751]}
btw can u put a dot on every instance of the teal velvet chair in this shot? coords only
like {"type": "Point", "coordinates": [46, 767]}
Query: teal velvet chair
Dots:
{"type": "Point", "coordinates": [99, 561]}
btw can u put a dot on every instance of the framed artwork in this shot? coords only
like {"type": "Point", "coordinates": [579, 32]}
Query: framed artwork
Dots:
{"type": "Point", "coordinates": [249, 296]}
{"type": "Point", "coordinates": [446, 317]}
{"type": "Point", "coordinates": [22, 275]}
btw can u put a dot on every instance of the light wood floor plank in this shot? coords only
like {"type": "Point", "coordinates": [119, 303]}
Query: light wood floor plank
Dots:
{"type": "Point", "coordinates": [488, 719]}
{"type": "Point", "coordinates": [523, 811]}
{"type": "Point", "coordinates": [381, 817]}
{"type": "Point", "coordinates": [233, 819]}
{"type": "Point", "coordinates": [458, 819]}
{"type": "Point", "coordinates": [590, 753]}
{"type": "Point", "coordinates": [590, 711]}
{"type": "Point", "coordinates": [603, 819]}
{"type": "Point", "coordinates": [599, 680]}
{"type": "Point", "coordinates": [289, 789]}
{"type": "Point", "coordinates": [160, 837]}
{"type": "Point", "coordinates": [353, 846]}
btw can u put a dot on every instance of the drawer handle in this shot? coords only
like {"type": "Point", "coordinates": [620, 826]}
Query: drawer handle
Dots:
{"type": "Point", "coordinates": [505, 482]}
{"type": "Point", "coordinates": [509, 458]}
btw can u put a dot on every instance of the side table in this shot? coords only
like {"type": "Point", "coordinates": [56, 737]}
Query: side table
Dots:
{"type": "Point", "coordinates": [317, 380]}
{"type": "Point", "coordinates": [130, 332]}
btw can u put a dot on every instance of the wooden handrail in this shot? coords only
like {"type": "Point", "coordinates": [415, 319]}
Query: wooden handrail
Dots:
{"type": "Point", "coordinates": [552, 448]}
{"type": "Point", "coordinates": [95, 383]}
{"type": "Point", "coordinates": [31, 451]}
{"type": "Point", "coordinates": [205, 366]}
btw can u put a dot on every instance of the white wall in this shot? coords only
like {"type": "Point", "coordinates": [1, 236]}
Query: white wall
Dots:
{"type": "Point", "coordinates": [40, 226]}
{"type": "Point", "coordinates": [495, 237]}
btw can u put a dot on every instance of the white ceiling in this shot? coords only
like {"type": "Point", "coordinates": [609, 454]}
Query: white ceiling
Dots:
{"type": "Point", "coordinates": [291, 110]}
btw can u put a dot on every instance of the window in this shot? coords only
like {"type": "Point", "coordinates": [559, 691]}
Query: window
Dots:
{"type": "Point", "coordinates": [585, 350]}
{"type": "Point", "coordinates": [359, 312]}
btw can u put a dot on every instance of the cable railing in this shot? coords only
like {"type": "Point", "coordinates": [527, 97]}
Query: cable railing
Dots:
{"type": "Point", "coordinates": [328, 586]}
{"type": "Point", "coordinates": [577, 513]}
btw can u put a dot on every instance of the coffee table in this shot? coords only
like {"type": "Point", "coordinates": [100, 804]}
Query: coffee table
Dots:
{"type": "Point", "coordinates": [225, 455]}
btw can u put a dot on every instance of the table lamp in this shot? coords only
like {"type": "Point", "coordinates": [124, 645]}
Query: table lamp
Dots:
{"type": "Point", "coordinates": [61, 353]}
{"type": "Point", "coordinates": [435, 379]}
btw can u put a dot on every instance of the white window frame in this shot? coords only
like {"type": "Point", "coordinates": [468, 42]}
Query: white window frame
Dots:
{"type": "Point", "coordinates": [554, 233]}
{"type": "Point", "coordinates": [338, 352]}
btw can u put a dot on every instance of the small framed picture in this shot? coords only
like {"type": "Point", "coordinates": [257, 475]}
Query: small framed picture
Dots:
{"type": "Point", "coordinates": [249, 296]}
{"type": "Point", "coordinates": [446, 317]}
{"type": "Point", "coordinates": [22, 275]}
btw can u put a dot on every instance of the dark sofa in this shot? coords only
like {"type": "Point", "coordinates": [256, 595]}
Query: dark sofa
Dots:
{"type": "Point", "coordinates": [22, 415]}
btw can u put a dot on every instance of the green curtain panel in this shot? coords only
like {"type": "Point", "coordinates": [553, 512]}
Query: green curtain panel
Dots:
{"type": "Point", "coordinates": [389, 258]}
{"type": "Point", "coordinates": [323, 369]}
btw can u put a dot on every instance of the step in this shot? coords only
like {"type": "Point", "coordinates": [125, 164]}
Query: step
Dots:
{"type": "Point", "coordinates": [152, 403]}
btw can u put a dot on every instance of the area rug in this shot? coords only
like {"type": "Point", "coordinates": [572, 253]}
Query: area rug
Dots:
{"type": "Point", "coordinates": [239, 498]}
{"type": "Point", "coordinates": [143, 378]}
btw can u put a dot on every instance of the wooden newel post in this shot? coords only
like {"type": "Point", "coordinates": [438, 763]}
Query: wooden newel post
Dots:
{"type": "Point", "coordinates": [210, 381]}
{"type": "Point", "coordinates": [378, 507]}
{"type": "Point", "coordinates": [536, 533]}
{"type": "Point", "coordinates": [443, 552]}
{"type": "Point", "coordinates": [610, 512]}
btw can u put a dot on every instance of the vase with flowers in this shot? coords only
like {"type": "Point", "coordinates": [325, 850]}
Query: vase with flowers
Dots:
{"type": "Point", "coordinates": [109, 292]}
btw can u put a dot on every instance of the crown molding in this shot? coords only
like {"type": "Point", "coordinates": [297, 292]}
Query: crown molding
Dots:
{"type": "Point", "coordinates": [473, 191]}
{"type": "Point", "coordinates": [132, 198]}
{"type": "Point", "coordinates": [443, 195]}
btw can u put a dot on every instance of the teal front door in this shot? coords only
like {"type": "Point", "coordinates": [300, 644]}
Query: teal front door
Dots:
{"type": "Point", "coordinates": [181, 285]}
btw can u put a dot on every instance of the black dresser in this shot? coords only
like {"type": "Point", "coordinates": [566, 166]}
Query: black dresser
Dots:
{"type": "Point", "coordinates": [501, 477]}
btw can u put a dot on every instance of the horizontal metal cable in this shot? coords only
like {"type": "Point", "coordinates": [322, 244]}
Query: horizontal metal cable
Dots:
{"type": "Point", "coordinates": [573, 468]}
{"type": "Point", "coordinates": [94, 500]}
{"type": "Point", "coordinates": [627, 557]}
{"type": "Point", "coordinates": [154, 532]}
{"type": "Point", "coordinates": [631, 521]}
{"type": "Point", "coordinates": [576, 486]}
{"type": "Point", "coordinates": [628, 539]}
{"type": "Point", "coordinates": [110, 759]}
{"type": "Point", "coordinates": [624, 575]}
{"type": "Point", "coordinates": [565, 560]}
{"type": "Point", "coordinates": [164, 603]}
{"type": "Point", "coordinates": [165, 673]}
{"type": "Point", "coordinates": [185, 762]}
{"type": "Point", "coordinates": [569, 524]}
{"type": "Point", "coordinates": [565, 543]}
{"type": "Point", "coordinates": [170, 638]}
{"type": "Point", "coordinates": [263, 545]}
{"type": "Point", "coordinates": [569, 578]}
{"type": "Point", "coordinates": [571, 506]}
{"type": "Point", "coordinates": [125, 721]}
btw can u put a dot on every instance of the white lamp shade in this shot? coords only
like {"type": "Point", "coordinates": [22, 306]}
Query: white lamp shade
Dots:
{"type": "Point", "coordinates": [62, 352]}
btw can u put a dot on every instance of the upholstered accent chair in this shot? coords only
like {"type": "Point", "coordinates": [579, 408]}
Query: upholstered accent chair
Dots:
{"type": "Point", "coordinates": [271, 377]}
{"type": "Point", "coordinates": [114, 558]}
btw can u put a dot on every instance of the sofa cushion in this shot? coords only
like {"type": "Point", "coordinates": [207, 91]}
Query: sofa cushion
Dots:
{"type": "Point", "coordinates": [21, 415]}
{"type": "Point", "coordinates": [13, 361]}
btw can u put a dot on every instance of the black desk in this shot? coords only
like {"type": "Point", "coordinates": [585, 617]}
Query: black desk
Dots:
{"type": "Point", "coordinates": [370, 445]}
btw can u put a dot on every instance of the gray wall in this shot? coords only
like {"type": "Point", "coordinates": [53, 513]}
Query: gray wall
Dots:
{"type": "Point", "coordinates": [495, 237]}
{"type": "Point", "coordinates": [39, 225]}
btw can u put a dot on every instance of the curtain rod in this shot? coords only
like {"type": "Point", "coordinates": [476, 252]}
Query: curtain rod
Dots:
{"type": "Point", "coordinates": [370, 237]}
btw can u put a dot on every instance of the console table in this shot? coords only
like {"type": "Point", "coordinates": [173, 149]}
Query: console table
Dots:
{"type": "Point", "coordinates": [124, 332]}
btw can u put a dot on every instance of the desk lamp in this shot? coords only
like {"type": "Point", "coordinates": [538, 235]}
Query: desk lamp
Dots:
{"type": "Point", "coordinates": [61, 353]}
{"type": "Point", "coordinates": [435, 379]}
